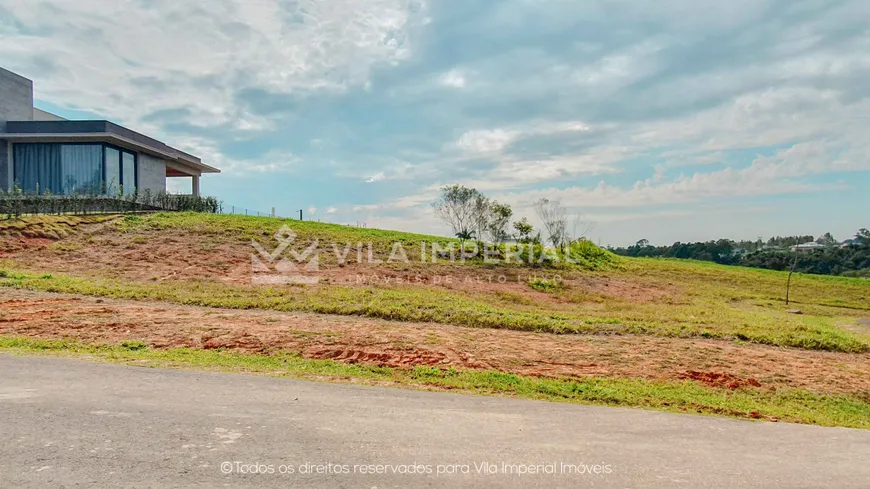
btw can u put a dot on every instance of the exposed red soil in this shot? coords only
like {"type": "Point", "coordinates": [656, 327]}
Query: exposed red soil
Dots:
{"type": "Point", "coordinates": [720, 379]}
{"type": "Point", "coordinates": [98, 249]}
{"type": "Point", "coordinates": [364, 340]}
{"type": "Point", "coordinates": [11, 245]}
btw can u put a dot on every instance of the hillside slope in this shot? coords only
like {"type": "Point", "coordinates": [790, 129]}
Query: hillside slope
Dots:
{"type": "Point", "coordinates": [207, 260]}
{"type": "Point", "coordinates": [678, 326]}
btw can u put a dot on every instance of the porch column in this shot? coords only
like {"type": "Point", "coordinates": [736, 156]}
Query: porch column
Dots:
{"type": "Point", "coordinates": [195, 185]}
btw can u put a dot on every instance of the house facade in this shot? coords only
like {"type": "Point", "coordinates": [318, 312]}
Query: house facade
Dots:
{"type": "Point", "coordinates": [42, 152]}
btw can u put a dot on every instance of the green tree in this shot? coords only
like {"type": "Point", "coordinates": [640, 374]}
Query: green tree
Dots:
{"type": "Point", "coordinates": [827, 239]}
{"type": "Point", "coordinates": [524, 230]}
{"type": "Point", "coordinates": [460, 208]}
{"type": "Point", "coordinates": [497, 221]}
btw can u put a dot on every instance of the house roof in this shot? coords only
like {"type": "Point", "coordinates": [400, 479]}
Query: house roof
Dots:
{"type": "Point", "coordinates": [82, 131]}
{"type": "Point", "coordinates": [811, 244]}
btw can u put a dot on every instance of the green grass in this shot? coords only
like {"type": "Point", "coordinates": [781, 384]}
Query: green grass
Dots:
{"type": "Point", "coordinates": [675, 298]}
{"type": "Point", "coordinates": [791, 405]}
{"type": "Point", "coordinates": [262, 229]}
{"type": "Point", "coordinates": [701, 318]}
{"type": "Point", "coordinates": [47, 226]}
{"type": "Point", "coordinates": [246, 228]}
{"type": "Point", "coordinates": [544, 285]}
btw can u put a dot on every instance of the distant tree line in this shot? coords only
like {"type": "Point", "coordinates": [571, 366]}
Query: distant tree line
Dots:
{"type": "Point", "coordinates": [853, 259]}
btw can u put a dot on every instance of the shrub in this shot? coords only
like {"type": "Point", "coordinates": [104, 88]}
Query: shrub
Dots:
{"type": "Point", "coordinates": [544, 285]}
{"type": "Point", "coordinates": [587, 255]}
{"type": "Point", "coordinates": [15, 203]}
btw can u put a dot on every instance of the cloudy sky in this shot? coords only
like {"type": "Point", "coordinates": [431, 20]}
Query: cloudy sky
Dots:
{"type": "Point", "coordinates": [659, 119]}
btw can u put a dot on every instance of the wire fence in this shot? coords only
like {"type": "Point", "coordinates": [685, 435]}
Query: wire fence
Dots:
{"type": "Point", "coordinates": [242, 211]}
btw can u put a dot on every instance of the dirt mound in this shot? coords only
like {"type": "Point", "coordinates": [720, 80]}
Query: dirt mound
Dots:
{"type": "Point", "coordinates": [720, 379]}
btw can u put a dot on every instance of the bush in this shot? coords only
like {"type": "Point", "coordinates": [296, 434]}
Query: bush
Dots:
{"type": "Point", "coordinates": [544, 285]}
{"type": "Point", "coordinates": [587, 255]}
{"type": "Point", "coordinates": [15, 203]}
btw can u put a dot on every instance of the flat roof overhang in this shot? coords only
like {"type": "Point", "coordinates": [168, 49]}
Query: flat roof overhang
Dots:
{"type": "Point", "coordinates": [99, 131]}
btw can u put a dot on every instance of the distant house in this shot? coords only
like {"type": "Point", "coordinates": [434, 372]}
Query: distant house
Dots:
{"type": "Point", "coordinates": [807, 247]}
{"type": "Point", "coordinates": [850, 242]}
{"type": "Point", "coordinates": [41, 151]}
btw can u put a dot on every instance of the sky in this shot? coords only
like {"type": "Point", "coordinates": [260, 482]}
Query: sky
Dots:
{"type": "Point", "coordinates": [665, 120]}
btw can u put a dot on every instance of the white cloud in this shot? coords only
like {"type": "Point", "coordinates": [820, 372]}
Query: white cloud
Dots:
{"type": "Point", "coordinates": [492, 141]}
{"type": "Point", "coordinates": [377, 177]}
{"type": "Point", "coordinates": [168, 55]}
{"type": "Point", "coordinates": [270, 162]}
{"type": "Point", "coordinates": [453, 78]}
{"type": "Point", "coordinates": [613, 71]}
{"type": "Point", "coordinates": [780, 174]}
{"type": "Point", "coordinates": [331, 210]}
{"type": "Point", "coordinates": [486, 141]}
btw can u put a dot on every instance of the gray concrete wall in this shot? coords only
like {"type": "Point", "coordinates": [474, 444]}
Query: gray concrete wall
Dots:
{"type": "Point", "coordinates": [152, 173]}
{"type": "Point", "coordinates": [41, 115]}
{"type": "Point", "coordinates": [16, 104]}
{"type": "Point", "coordinates": [16, 98]}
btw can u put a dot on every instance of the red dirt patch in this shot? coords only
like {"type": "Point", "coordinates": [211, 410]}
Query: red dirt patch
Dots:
{"type": "Point", "coordinates": [149, 256]}
{"type": "Point", "coordinates": [720, 379]}
{"type": "Point", "coordinates": [10, 245]}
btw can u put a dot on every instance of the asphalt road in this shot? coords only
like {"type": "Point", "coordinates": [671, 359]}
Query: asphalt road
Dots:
{"type": "Point", "coordinates": [70, 423]}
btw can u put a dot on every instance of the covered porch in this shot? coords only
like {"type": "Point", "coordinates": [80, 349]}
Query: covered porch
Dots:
{"type": "Point", "coordinates": [175, 171]}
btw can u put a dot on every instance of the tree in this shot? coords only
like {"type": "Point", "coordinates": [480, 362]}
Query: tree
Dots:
{"type": "Point", "coordinates": [497, 221]}
{"type": "Point", "coordinates": [481, 215]}
{"type": "Point", "coordinates": [827, 240]}
{"type": "Point", "coordinates": [465, 235]}
{"type": "Point", "coordinates": [863, 237]}
{"type": "Point", "coordinates": [459, 207]}
{"type": "Point", "coordinates": [579, 229]}
{"type": "Point", "coordinates": [643, 243]}
{"type": "Point", "coordinates": [555, 220]}
{"type": "Point", "coordinates": [524, 230]}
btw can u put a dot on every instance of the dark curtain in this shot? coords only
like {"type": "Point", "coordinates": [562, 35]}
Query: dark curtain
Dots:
{"type": "Point", "coordinates": [82, 166]}
{"type": "Point", "coordinates": [59, 168]}
{"type": "Point", "coordinates": [38, 167]}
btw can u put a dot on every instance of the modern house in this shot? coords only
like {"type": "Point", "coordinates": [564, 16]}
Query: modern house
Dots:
{"type": "Point", "coordinates": [40, 151]}
{"type": "Point", "coordinates": [807, 247]}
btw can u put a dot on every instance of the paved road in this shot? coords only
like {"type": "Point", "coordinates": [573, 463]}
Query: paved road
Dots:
{"type": "Point", "coordinates": [69, 423]}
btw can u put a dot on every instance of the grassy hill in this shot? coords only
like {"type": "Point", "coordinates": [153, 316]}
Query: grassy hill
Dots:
{"type": "Point", "coordinates": [206, 261]}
